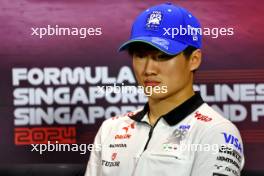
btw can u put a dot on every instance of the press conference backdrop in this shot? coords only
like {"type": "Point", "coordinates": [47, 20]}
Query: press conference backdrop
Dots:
{"type": "Point", "coordinates": [49, 82]}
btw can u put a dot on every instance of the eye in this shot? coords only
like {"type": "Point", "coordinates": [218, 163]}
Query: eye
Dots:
{"type": "Point", "coordinates": [163, 57]}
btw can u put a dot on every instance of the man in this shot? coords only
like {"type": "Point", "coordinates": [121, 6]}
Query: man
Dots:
{"type": "Point", "coordinates": [176, 133]}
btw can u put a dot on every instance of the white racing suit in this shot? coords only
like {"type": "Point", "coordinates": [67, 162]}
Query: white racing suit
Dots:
{"type": "Point", "coordinates": [191, 140]}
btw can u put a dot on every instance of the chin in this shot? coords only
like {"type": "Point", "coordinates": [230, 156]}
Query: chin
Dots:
{"type": "Point", "coordinates": [157, 96]}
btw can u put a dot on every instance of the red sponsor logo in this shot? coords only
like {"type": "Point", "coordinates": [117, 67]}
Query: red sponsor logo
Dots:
{"type": "Point", "coordinates": [41, 135]}
{"type": "Point", "coordinates": [132, 126]}
{"type": "Point", "coordinates": [122, 136]}
{"type": "Point", "coordinates": [126, 135]}
{"type": "Point", "coordinates": [202, 117]}
{"type": "Point", "coordinates": [113, 156]}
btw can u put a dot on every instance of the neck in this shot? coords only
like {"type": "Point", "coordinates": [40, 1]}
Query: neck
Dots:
{"type": "Point", "coordinates": [159, 107]}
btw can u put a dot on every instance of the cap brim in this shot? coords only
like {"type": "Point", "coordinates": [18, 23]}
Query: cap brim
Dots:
{"type": "Point", "coordinates": [168, 46]}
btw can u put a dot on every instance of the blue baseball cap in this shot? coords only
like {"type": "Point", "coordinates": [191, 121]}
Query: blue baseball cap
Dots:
{"type": "Point", "coordinates": [167, 27]}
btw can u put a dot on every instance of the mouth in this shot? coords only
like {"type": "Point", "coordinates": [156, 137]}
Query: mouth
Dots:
{"type": "Point", "coordinates": [151, 83]}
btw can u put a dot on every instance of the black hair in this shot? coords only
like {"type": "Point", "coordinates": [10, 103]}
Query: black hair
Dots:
{"type": "Point", "coordinates": [187, 52]}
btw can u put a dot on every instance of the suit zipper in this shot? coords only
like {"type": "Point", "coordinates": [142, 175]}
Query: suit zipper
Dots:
{"type": "Point", "coordinates": [150, 133]}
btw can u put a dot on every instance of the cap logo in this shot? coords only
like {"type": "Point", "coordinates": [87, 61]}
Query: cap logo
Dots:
{"type": "Point", "coordinates": [154, 20]}
{"type": "Point", "coordinates": [161, 42]}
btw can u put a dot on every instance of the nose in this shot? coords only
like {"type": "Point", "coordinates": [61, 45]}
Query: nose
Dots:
{"type": "Point", "coordinates": [151, 66]}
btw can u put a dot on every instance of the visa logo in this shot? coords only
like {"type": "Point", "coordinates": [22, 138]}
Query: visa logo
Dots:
{"type": "Point", "coordinates": [230, 139]}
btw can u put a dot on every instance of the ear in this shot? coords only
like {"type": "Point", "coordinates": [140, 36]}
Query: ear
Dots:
{"type": "Point", "coordinates": [195, 60]}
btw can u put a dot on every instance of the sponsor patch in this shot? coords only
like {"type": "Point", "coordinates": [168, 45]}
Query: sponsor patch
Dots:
{"type": "Point", "coordinates": [230, 139]}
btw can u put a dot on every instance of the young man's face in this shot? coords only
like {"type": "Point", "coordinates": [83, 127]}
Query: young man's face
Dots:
{"type": "Point", "coordinates": [154, 68]}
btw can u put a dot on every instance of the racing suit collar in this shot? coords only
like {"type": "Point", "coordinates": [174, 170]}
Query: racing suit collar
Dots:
{"type": "Point", "coordinates": [177, 114]}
